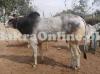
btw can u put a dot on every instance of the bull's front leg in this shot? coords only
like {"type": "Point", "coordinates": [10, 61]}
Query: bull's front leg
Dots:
{"type": "Point", "coordinates": [34, 45]}
{"type": "Point", "coordinates": [35, 55]}
{"type": "Point", "coordinates": [41, 51]}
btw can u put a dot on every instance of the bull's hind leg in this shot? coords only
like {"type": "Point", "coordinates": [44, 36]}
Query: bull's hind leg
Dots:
{"type": "Point", "coordinates": [75, 53]}
{"type": "Point", "coordinates": [78, 54]}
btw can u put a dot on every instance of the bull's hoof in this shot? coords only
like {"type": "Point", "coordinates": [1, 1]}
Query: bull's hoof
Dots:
{"type": "Point", "coordinates": [59, 48]}
{"type": "Point", "coordinates": [73, 67]}
{"type": "Point", "coordinates": [76, 68]}
{"type": "Point", "coordinates": [34, 65]}
{"type": "Point", "coordinates": [28, 46]}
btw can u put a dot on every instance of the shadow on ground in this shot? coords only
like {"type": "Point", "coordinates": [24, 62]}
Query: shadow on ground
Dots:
{"type": "Point", "coordinates": [29, 60]}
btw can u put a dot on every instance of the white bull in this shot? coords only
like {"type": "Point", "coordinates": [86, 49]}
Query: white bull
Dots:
{"type": "Point", "coordinates": [68, 23]}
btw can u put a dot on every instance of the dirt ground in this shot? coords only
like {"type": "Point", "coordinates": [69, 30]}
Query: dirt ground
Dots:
{"type": "Point", "coordinates": [16, 58]}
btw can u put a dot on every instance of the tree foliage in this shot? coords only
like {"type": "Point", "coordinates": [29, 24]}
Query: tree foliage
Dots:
{"type": "Point", "coordinates": [22, 6]}
{"type": "Point", "coordinates": [81, 7]}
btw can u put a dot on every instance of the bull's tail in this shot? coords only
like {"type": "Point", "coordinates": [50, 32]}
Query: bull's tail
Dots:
{"type": "Point", "coordinates": [84, 54]}
{"type": "Point", "coordinates": [85, 43]}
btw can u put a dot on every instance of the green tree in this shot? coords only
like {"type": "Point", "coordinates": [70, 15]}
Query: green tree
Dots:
{"type": "Point", "coordinates": [22, 6]}
{"type": "Point", "coordinates": [81, 8]}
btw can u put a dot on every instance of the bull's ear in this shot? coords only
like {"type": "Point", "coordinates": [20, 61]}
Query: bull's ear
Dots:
{"type": "Point", "coordinates": [33, 15]}
{"type": "Point", "coordinates": [36, 13]}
